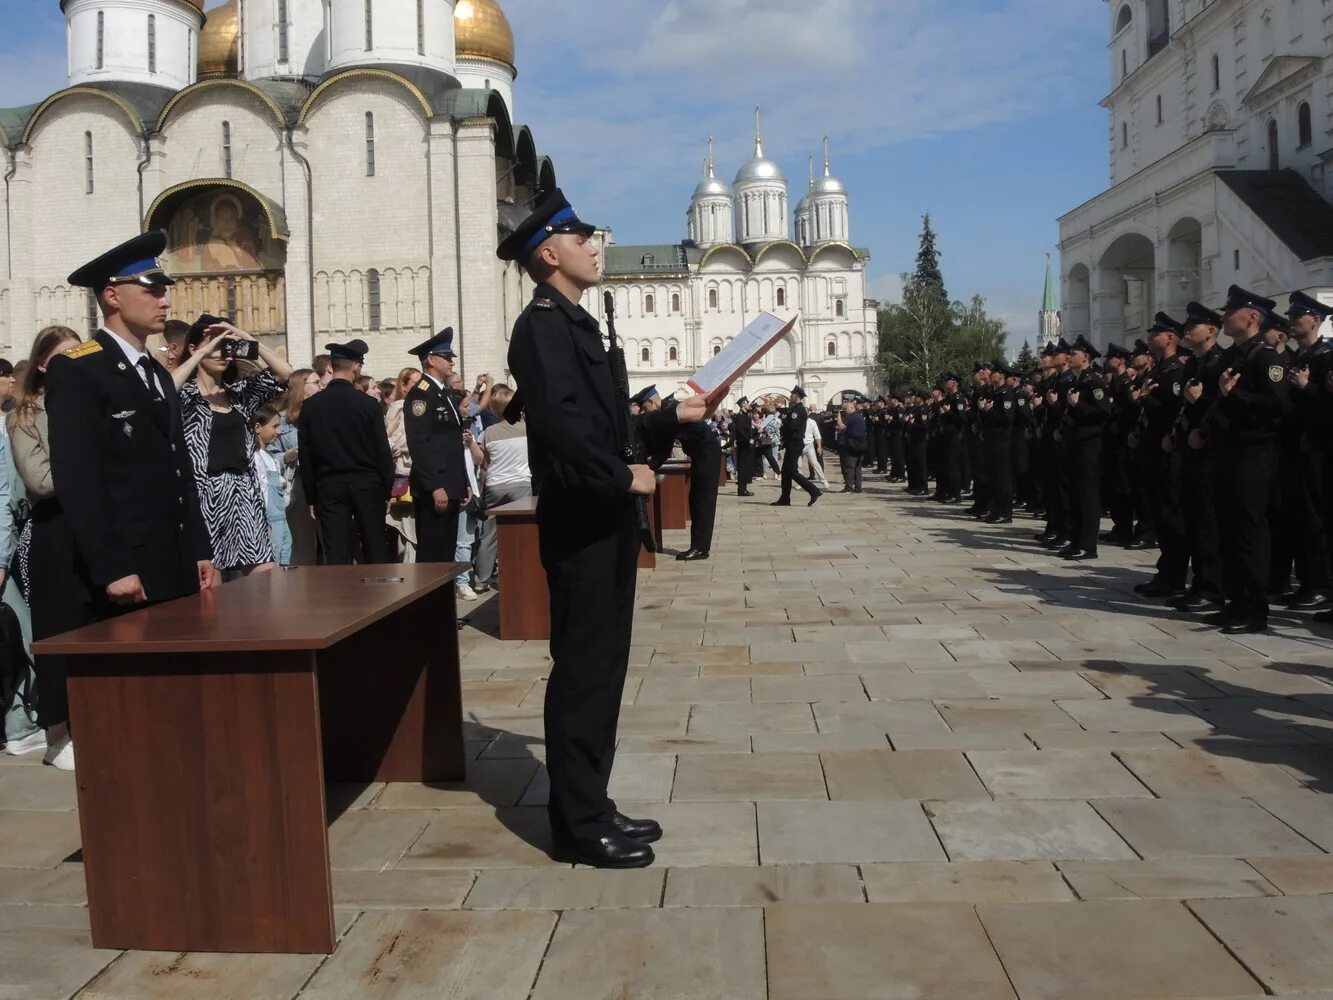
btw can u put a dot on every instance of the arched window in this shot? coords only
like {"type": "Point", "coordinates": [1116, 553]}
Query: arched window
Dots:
{"type": "Point", "coordinates": [226, 149]}
{"type": "Point", "coordinates": [1124, 63]}
{"type": "Point", "coordinates": [1159, 26]}
{"type": "Point", "coordinates": [1159, 109]}
{"type": "Point", "coordinates": [1217, 72]}
{"type": "Point", "coordinates": [373, 302]}
{"type": "Point", "coordinates": [152, 43]}
{"type": "Point", "coordinates": [646, 356]}
{"type": "Point", "coordinates": [1274, 160]}
{"type": "Point", "coordinates": [101, 39]}
{"type": "Point", "coordinates": [840, 308]}
{"type": "Point", "coordinates": [717, 349]}
{"type": "Point", "coordinates": [370, 144]}
{"type": "Point", "coordinates": [370, 28]}
{"type": "Point", "coordinates": [1123, 19]}
{"type": "Point", "coordinates": [1304, 126]}
{"type": "Point", "coordinates": [673, 354]}
{"type": "Point", "coordinates": [1124, 135]}
{"type": "Point", "coordinates": [283, 54]}
{"type": "Point", "coordinates": [649, 304]}
{"type": "Point", "coordinates": [421, 27]}
{"type": "Point", "coordinates": [675, 302]}
{"type": "Point", "coordinates": [831, 349]}
{"type": "Point", "coordinates": [88, 162]}
{"type": "Point", "coordinates": [712, 298]}
{"type": "Point", "coordinates": [782, 296]}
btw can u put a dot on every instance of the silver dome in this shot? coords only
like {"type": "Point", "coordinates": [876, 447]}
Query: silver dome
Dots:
{"type": "Point", "coordinates": [711, 186]}
{"type": "Point", "coordinates": [829, 185]}
{"type": "Point", "coordinates": [761, 168]}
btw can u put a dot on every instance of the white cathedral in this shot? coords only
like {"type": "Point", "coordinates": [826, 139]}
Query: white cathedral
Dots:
{"type": "Point", "coordinates": [336, 168]}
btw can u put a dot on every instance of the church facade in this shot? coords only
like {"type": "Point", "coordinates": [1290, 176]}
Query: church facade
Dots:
{"type": "Point", "coordinates": [325, 169]}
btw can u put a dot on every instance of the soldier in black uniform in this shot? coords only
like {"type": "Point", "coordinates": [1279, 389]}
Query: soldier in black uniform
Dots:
{"type": "Point", "coordinates": [1254, 398]}
{"type": "Point", "coordinates": [1018, 442]}
{"type": "Point", "coordinates": [1055, 464]}
{"type": "Point", "coordinates": [794, 419]}
{"type": "Point", "coordinates": [589, 530]}
{"type": "Point", "coordinates": [745, 439]}
{"type": "Point", "coordinates": [996, 414]}
{"type": "Point", "coordinates": [896, 439]}
{"type": "Point", "coordinates": [1160, 401]}
{"type": "Point", "coordinates": [1117, 487]}
{"type": "Point", "coordinates": [434, 426]}
{"type": "Point", "coordinates": [952, 413]}
{"type": "Point", "coordinates": [917, 430]}
{"type": "Point", "coordinates": [124, 485]}
{"type": "Point", "coordinates": [1086, 411]}
{"type": "Point", "coordinates": [1198, 462]}
{"type": "Point", "coordinates": [346, 463]}
{"type": "Point", "coordinates": [704, 450]}
{"type": "Point", "coordinates": [1302, 456]}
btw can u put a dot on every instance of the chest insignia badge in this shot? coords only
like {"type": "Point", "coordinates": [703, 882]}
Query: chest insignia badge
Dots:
{"type": "Point", "coordinates": [1098, 394]}
{"type": "Point", "coordinates": [419, 408]}
{"type": "Point", "coordinates": [1008, 404]}
{"type": "Point", "coordinates": [543, 303]}
{"type": "Point", "coordinates": [122, 366]}
{"type": "Point", "coordinates": [123, 414]}
{"type": "Point", "coordinates": [1276, 373]}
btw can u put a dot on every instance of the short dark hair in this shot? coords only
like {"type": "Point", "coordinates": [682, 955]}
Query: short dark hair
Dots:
{"type": "Point", "coordinates": [322, 364]}
{"type": "Point", "coordinates": [6, 368]}
{"type": "Point", "coordinates": [177, 329]}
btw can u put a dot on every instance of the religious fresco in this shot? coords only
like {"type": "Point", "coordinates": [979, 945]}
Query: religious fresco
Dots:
{"type": "Point", "coordinates": [221, 231]}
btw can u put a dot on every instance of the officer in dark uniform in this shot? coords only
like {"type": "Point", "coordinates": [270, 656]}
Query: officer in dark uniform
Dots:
{"type": "Point", "coordinates": [972, 435]}
{"type": "Point", "coordinates": [895, 439]}
{"type": "Point", "coordinates": [1086, 411]}
{"type": "Point", "coordinates": [952, 419]}
{"type": "Point", "coordinates": [1117, 488]}
{"type": "Point", "coordinates": [704, 451]}
{"type": "Point", "coordinates": [1018, 440]}
{"type": "Point", "coordinates": [1059, 524]}
{"type": "Point", "coordinates": [996, 414]}
{"type": "Point", "coordinates": [794, 419]}
{"type": "Point", "coordinates": [434, 426]}
{"type": "Point", "coordinates": [1254, 397]}
{"type": "Point", "coordinates": [1302, 456]}
{"type": "Point", "coordinates": [589, 530]}
{"type": "Point", "coordinates": [916, 422]}
{"type": "Point", "coordinates": [1198, 462]}
{"type": "Point", "coordinates": [745, 439]}
{"type": "Point", "coordinates": [346, 463]}
{"type": "Point", "coordinates": [1160, 400]}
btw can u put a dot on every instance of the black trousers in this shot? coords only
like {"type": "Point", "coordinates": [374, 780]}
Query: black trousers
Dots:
{"type": "Point", "coordinates": [590, 553]}
{"type": "Point", "coordinates": [1018, 463]}
{"type": "Point", "coordinates": [1198, 479]}
{"type": "Point", "coordinates": [1053, 487]}
{"type": "Point", "coordinates": [1304, 537]}
{"type": "Point", "coordinates": [791, 470]}
{"type": "Point", "coordinates": [60, 603]}
{"type": "Point", "coordinates": [918, 458]}
{"type": "Point", "coordinates": [1162, 481]}
{"type": "Point", "coordinates": [1245, 475]}
{"type": "Point", "coordinates": [1085, 491]}
{"type": "Point", "coordinates": [950, 482]}
{"type": "Point", "coordinates": [1118, 490]}
{"type": "Point", "coordinates": [745, 468]}
{"type": "Point", "coordinates": [999, 474]}
{"type": "Point", "coordinates": [705, 477]}
{"type": "Point", "coordinates": [853, 464]}
{"type": "Point", "coordinates": [437, 533]}
{"type": "Point", "coordinates": [350, 510]}
{"type": "Point", "coordinates": [897, 455]}
{"type": "Point", "coordinates": [881, 440]}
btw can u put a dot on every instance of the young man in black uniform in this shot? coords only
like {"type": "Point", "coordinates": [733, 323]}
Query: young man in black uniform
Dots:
{"type": "Point", "coordinates": [1254, 396]}
{"type": "Point", "coordinates": [701, 445]}
{"type": "Point", "coordinates": [589, 531]}
{"type": "Point", "coordinates": [996, 415]}
{"type": "Point", "coordinates": [434, 429]}
{"type": "Point", "coordinates": [745, 438]}
{"type": "Point", "coordinates": [346, 463]}
{"type": "Point", "coordinates": [1086, 411]}
{"type": "Point", "coordinates": [794, 419]}
{"type": "Point", "coordinates": [122, 475]}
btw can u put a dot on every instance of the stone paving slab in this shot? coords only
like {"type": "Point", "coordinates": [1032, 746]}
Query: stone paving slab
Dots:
{"type": "Point", "coordinates": [1286, 943]}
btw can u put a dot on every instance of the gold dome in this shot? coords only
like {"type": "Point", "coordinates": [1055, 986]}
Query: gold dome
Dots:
{"type": "Point", "coordinates": [219, 47]}
{"type": "Point", "coordinates": [482, 30]}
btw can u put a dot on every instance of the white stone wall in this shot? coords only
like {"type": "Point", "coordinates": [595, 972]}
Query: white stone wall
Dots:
{"type": "Point", "coordinates": [475, 73]}
{"type": "Point", "coordinates": [394, 35]}
{"type": "Point", "coordinates": [124, 41]}
{"type": "Point", "coordinates": [192, 140]}
{"type": "Point", "coordinates": [262, 35]}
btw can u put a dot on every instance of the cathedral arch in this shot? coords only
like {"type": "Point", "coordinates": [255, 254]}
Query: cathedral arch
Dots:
{"type": "Point", "coordinates": [673, 352]}
{"type": "Point", "coordinates": [835, 247]}
{"type": "Point", "coordinates": [525, 154]}
{"type": "Point", "coordinates": [1123, 18]}
{"type": "Point", "coordinates": [724, 249]}
{"type": "Point", "coordinates": [777, 245]}
{"type": "Point", "coordinates": [410, 90]}
{"type": "Point", "coordinates": [270, 105]}
{"type": "Point", "coordinates": [830, 347]}
{"type": "Point", "coordinates": [844, 345]}
{"type": "Point", "coordinates": [122, 105]}
{"type": "Point", "coordinates": [858, 345]}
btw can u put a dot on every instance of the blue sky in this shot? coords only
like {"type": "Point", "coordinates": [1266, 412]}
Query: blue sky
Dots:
{"type": "Point", "coordinates": [982, 112]}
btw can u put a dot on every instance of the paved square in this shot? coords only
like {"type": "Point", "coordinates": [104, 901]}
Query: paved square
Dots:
{"type": "Point", "coordinates": [895, 753]}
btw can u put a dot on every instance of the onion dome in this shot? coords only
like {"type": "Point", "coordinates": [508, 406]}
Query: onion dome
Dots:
{"type": "Point", "coordinates": [828, 184]}
{"type": "Point", "coordinates": [711, 186]}
{"type": "Point", "coordinates": [219, 43]}
{"type": "Point", "coordinates": [482, 31]}
{"type": "Point", "coordinates": [761, 168]}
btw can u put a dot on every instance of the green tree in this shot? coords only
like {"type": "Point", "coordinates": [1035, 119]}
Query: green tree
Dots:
{"type": "Point", "coordinates": [1027, 360]}
{"type": "Point", "coordinates": [928, 273]}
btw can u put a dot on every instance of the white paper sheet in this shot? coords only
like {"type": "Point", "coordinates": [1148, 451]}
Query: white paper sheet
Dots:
{"type": "Point", "coordinates": [715, 378]}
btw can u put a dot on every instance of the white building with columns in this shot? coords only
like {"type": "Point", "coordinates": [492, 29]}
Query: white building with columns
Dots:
{"type": "Point", "coordinates": [325, 169]}
{"type": "Point", "coordinates": [677, 304]}
{"type": "Point", "coordinates": [1220, 133]}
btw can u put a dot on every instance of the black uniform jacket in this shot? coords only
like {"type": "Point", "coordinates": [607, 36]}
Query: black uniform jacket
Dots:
{"type": "Point", "coordinates": [575, 435]}
{"type": "Point", "coordinates": [435, 441]}
{"type": "Point", "coordinates": [1251, 414]}
{"type": "Point", "coordinates": [342, 438]}
{"type": "Point", "coordinates": [744, 434]}
{"type": "Point", "coordinates": [122, 472]}
{"type": "Point", "coordinates": [794, 419]}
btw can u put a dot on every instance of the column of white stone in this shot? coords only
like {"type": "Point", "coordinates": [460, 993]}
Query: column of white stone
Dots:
{"type": "Point", "coordinates": [301, 347]}
{"type": "Point", "coordinates": [22, 308]}
{"type": "Point", "coordinates": [479, 326]}
{"type": "Point", "coordinates": [443, 210]}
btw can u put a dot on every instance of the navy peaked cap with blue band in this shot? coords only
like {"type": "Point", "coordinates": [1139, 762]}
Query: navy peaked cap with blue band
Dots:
{"type": "Point", "coordinates": [641, 397]}
{"type": "Point", "coordinates": [552, 217]}
{"type": "Point", "coordinates": [1162, 323]}
{"type": "Point", "coordinates": [1197, 314]}
{"type": "Point", "coordinates": [1305, 305]}
{"type": "Point", "coordinates": [135, 260]}
{"type": "Point", "coordinates": [1239, 298]}
{"type": "Point", "coordinates": [442, 344]}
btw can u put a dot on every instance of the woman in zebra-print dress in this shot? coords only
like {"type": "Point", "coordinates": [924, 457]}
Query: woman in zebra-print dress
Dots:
{"type": "Point", "coordinates": [217, 410]}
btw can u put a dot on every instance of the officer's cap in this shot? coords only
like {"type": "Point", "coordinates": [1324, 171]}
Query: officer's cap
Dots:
{"type": "Point", "coordinates": [1084, 345]}
{"type": "Point", "coordinates": [1162, 323]}
{"type": "Point", "coordinates": [442, 344]}
{"type": "Point", "coordinates": [1061, 347]}
{"type": "Point", "coordinates": [981, 366]}
{"type": "Point", "coordinates": [1197, 314]}
{"type": "Point", "coordinates": [1139, 348]}
{"type": "Point", "coordinates": [641, 397]}
{"type": "Point", "coordinates": [1239, 298]}
{"type": "Point", "coordinates": [353, 350]}
{"type": "Point", "coordinates": [1278, 322]}
{"type": "Point", "coordinates": [798, 392]}
{"type": "Point", "coordinates": [742, 403]}
{"type": "Point", "coordinates": [134, 261]}
{"type": "Point", "coordinates": [1303, 305]}
{"type": "Point", "coordinates": [552, 216]}
{"type": "Point", "coordinates": [1116, 351]}
{"type": "Point", "coordinates": [1048, 351]}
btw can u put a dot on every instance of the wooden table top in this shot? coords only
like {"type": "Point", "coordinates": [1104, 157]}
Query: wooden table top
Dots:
{"type": "Point", "coordinates": [517, 508]}
{"type": "Point", "coordinates": [307, 608]}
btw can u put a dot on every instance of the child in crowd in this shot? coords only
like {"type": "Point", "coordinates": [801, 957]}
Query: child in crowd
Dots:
{"type": "Point", "coordinates": [268, 473]}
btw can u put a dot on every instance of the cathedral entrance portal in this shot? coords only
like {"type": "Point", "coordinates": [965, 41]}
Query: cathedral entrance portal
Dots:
{"type": "Point", "coordinates": [227, 249]}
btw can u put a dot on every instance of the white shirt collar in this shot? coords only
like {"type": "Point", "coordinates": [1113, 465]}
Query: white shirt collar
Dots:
{"type": "Point", "coordinates": [132, 353]}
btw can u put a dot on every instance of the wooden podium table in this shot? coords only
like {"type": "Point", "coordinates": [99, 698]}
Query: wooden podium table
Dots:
{"type": "Point", "coordinates": [648, 558]}
{"type": "Point", "coordinates": [525, 600]}
{"type": "Point", "coordinates": [674, 495]}
{"type": "Point", "coordinates": [208, 726]}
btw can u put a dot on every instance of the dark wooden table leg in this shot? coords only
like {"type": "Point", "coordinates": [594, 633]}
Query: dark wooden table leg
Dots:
{"type": "Point", "coordinates": [525, 600]}
{"type": "Point", "coordinates": [391, 699]}
{"type": "Point", "coordinates": [201, 802]}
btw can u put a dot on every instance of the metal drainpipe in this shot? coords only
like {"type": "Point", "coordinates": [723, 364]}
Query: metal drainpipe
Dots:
{"type": "Point", "coordinates": [310, 229]}
{"type": "Point", "coordinates": [143, 165]}
{"type": "Point", "coordinates": [458, 253]}
{"type": "Point", "coordinates": [13, 156]}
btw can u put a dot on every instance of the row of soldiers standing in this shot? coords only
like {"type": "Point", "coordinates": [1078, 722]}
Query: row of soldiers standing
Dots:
{"type": "Point", "coordinates": [1210, 452]}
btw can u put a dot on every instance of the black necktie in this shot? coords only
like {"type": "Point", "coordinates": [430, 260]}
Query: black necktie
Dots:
{"type": "Point", "coordinates": [150, 370]}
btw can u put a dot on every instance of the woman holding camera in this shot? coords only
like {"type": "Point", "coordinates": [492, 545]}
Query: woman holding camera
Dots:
{"type": "Point", "coordinates": [217, 409]}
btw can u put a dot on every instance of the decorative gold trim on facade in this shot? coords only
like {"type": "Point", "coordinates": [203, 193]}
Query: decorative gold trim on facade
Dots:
{"type": "Point", "coordinates": [221, 81]}
{"type": "Point", "coordinates": [365, 72]}
{"type": "Point", "coordinates": [726, 246]}
{"type": "Point", "coordinates": [763, 252]}
{"type": "Point", "coordinates": [265, 203]}
{"type": "Point", "coordinates": [60, 95]}
{"type": "Point", "coordinates": [836, 245]}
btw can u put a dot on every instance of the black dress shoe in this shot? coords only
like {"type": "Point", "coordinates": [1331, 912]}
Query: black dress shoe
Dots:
{"type": "Point", "coordinates": [780, 503]}
{"type": "Point", "coordinates": [1115, 538]}
{"type": "Point", "coordinates": [1139, 544]}
{"type": "Point", "coordinates": [951, 501]}
{"type": "Point", "coordinates": [997, 519]}
{"type": "Point", "coordinates": [1246, 626]}
{"type": "Point", "coordinates": [1056, 542]}
{"type": "Point", "coordinates": [1158, 588]}
{"type": "Point", "coordinates": [814, 498]}
{"type": "Point", "coordinates": [645, 831]}
{"type": "Point", "coordinates": [1195, 603]}
{"type": "Point", "coordinates": [1081, 555]}
{"type": "Point", "coordinates": [1311, 600]}
{"type": "Point", "coordinates": [1044, 536]}
{"type": "Point", "coordinates": [614, 850]}
{"type": "Point", "coordinates": [691, 555]}
{"type": "Point", "coordinates": [745, 493]}
{"type": "Point", "coordinates": [1068, 551]}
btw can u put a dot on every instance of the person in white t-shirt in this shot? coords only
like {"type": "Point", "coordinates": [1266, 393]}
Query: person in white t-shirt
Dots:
{"type": "Point", "coordinates": [814, 447]}
{"type": "Point", "coordinates": [507, 478]}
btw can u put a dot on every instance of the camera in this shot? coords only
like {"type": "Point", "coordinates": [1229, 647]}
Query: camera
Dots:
{"type": "Point", "coordinates": [240, 350]}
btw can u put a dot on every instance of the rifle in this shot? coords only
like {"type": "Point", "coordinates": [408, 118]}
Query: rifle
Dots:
{"type": "Point", "coordinates": [631, 446]}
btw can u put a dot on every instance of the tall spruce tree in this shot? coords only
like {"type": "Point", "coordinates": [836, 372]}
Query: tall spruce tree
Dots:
{"type": "Point", "coordinates": [1027, 360]}
{"type": "Point", "coordinates": [928, 275]}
